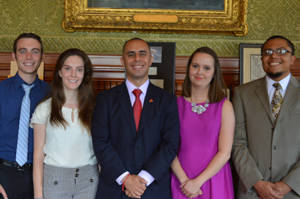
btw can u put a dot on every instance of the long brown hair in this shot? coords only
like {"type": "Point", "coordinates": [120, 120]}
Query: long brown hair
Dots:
{"type": "Point", "coordinates": [217, 84]}
{"type": "Point", "coordinates": [85, 91]}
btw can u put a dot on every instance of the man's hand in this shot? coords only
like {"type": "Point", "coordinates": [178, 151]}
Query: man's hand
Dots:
{"type": "Point", "coordinates": [266, 190]}
{"type": "Point", "coordinates": [282, 188]}
{"type": "Point", "coordinates": [135, 186]}
{"type": "Point", "coordinates": [2, 191]}
{"type": "Point", "coordinates": [191, 188]}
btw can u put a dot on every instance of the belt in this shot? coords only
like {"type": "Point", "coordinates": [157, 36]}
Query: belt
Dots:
{"type": "Point", "coordinates": [15, 165]}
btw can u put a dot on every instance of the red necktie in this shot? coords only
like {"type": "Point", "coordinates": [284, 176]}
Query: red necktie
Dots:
{"type": "Point", "coordinates": [137, 107]}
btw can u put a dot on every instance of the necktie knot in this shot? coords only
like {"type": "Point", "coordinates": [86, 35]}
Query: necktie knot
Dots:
{"type": "Point", "coordinates": [277, 86]}
{"type": "Point", "coordinates": [27, 88]}
{"type": "Point", "coordinates": [137, 92]}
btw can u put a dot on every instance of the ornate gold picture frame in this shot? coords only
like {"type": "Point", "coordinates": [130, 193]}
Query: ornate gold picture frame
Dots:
{"type": "Point", "coordinates": [232, 20]}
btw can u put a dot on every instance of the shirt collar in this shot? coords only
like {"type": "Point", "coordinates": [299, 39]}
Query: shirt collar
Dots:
{"type": "Point", "coordinates": [130, 86]}
{"type": "Point", "coordinates": [19, 81]}
{"type": "Point", "coordinates": [284, 82]}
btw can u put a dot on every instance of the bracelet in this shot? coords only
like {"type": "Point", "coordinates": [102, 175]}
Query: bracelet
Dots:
{"type": "Point", "coordinates": [123, 185]}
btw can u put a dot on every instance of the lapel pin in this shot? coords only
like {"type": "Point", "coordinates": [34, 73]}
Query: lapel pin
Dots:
{"type": "Point", "coordinates": [150, 100]}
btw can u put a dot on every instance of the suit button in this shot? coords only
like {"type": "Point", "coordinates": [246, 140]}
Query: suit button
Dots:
{"type": "Point", "coordinates": [91, 180]}
{"type": "Point", "coordinates": [77, 170]}
{"type": "Point", "coordinates": [274, 147]}
{"type": "Point", "coordinates": [76, 175]}
{"type": "Point", "coordinates": [55, 182]}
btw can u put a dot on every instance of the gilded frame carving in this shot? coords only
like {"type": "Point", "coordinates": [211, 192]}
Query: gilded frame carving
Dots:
{"type": "Point", "coordinates": [232, 20]}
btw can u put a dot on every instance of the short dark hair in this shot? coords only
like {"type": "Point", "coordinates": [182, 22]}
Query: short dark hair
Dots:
{"type": "Point", "coordinates": [217, 85]}
{"type": "Point", "coordinates": [135, 38]}
{"type": "Point", "coordinates": [28, 35]}
{"type": "Point", "coordinates": [290, 44]}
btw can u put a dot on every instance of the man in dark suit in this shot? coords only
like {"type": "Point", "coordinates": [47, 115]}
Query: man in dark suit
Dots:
{"type": "Point", "coordinates": [266, 150]}
{"type": "Point", "coordinates": [135, 138]}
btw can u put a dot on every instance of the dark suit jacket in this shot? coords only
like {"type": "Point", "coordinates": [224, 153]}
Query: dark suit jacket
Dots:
{"type": "Point", "coordinates": [120, 148]}
{"type": "Point", "coordinates": [264, 150]}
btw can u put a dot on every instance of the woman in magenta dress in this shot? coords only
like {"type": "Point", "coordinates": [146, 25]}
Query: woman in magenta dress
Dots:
{"type": "Point", "coordinates": [201, 169]}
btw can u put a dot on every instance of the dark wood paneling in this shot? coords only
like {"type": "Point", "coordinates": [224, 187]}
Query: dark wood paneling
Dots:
{"type": "Point", "coordinates": [108, 71]}
{"type": "Point", "coordinates": [5, 59]}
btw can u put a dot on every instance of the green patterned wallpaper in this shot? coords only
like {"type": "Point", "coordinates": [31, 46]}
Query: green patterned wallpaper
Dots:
{"type": "Point", "coordinates": [44, 17]}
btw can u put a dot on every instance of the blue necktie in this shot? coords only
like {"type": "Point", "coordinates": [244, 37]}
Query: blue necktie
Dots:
{"type": "Point", "coordinates": [22, 145]}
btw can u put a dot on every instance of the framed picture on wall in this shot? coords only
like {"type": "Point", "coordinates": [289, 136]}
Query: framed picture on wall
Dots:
{"type": "Point", "coordinates": [221, 16]}
{"type": "Point", "coordinates": [250, 62]}
{"type": "Point", "coordinates": [162, 70]}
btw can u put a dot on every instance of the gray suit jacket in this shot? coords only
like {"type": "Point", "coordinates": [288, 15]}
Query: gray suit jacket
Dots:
{"type": "Point", "coordinates": [264, 150]}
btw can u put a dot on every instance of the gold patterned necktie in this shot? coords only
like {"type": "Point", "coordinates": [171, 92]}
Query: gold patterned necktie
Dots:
{"type": "Point", "coordinates": [276, 100]}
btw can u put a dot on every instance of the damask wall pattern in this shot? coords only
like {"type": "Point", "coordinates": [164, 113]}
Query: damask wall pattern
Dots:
{"type": "Point", "coordinates": [44, 17]}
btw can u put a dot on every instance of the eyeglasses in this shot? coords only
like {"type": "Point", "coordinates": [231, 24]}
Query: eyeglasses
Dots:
{"type": "Point", "coordinates": [278, 51]}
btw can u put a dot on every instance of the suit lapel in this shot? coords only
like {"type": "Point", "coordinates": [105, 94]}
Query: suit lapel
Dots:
{"type": "Point", "coordinates": [261, 92]}
{"type": "Point", "coordinates": [289, 97]}
{"type": "Point", "coordinates": [126, 105]}
{"type": "Point", "coordinates": [148, 112]}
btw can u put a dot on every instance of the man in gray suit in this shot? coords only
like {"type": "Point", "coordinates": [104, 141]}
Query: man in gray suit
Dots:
{"type": "Point", "coordinates": [266, 150]}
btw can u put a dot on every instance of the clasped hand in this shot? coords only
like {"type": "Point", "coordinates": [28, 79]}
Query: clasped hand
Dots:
{"type": "Point", "coordinates": [191, 188]}
{"type": "Point", "coordinates": [135, 186]}
{"type": "Point", "coordinates": [269, 190]}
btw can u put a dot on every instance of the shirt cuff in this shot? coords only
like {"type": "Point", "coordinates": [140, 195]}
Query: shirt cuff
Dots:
{"type": "Point", "coordinates": [147, 176]}
{"type": "Point", "coordinates": [120, 178]}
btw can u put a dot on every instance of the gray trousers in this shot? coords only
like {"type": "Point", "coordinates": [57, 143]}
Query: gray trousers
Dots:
{"type": "Point", "coordinates": [70, 183]}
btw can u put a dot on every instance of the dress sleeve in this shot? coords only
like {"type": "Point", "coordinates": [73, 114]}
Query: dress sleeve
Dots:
{"type": "Point", "coordinates": [41, 114]}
